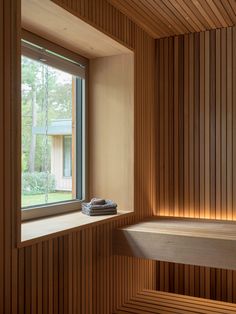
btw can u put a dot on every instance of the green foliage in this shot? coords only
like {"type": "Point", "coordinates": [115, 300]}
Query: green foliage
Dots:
{"type": "Point", "coordinates": [23, 163]}
{"type": "Point", "coordinates": [59, 101]}
{"type": "Point", "coordinates": [35, 183]}
{"type": "Point", "coordinates": [32, 200]}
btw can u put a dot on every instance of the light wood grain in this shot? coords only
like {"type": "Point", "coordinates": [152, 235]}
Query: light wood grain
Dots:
{"type": "Point", "coordinates": [52, 227]}
{"type": "Point", "coordinates": [50, 21]}
{"type": "Point", "coordinates": [188, 241]}
{"type": "Point", "coordinates": [111, 129]}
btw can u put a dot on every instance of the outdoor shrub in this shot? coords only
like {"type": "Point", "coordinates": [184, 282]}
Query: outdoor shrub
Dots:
{"type": "Point", "coordinates": [36, 182]}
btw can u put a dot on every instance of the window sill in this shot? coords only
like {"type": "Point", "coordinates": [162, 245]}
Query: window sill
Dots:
{"type": "Point", "coordinates": [51, 227]}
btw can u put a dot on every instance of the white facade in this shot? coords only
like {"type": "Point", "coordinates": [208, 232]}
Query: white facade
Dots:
{"type": "Point", "coordinates": [62, 183]}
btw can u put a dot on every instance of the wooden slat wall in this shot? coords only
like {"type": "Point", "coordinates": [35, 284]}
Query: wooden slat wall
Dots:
{"type": "Point", "coordinates": [196, 146]}
{"type": "Point", "coordinates": [75, 273]}
{"type": "Point", "coordinates": [9, 82]}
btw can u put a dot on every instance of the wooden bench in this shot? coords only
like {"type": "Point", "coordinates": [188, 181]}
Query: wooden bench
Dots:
{"type": "Point", "coordinates": [199, 242]}
{"type": "Point", "coordinates": [149, 301]}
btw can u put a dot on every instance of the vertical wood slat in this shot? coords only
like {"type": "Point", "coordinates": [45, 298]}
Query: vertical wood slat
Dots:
{"type": "Point", "coordinates": [223, 124]}
{"type": "Point", "coordinates": [161, 132]}
{"type": "Point", "coordinates": [186, 125]}
{"type": "Point", "coordinates": [218, 124]}
{"type": "Point", "coordinates": [176, 125]}
{"type": "Point", "coordinates": [212, 125]}
{"type": "Point", "coordinates": [40, 278]}
{"type": "Point", "coordinates": [166, 128]}
{"type": "Point", "coordinates": [1, 155]}
{"type": "Point", "coordinates": [196, 124]}
{"type": "Point", "coordinates": [234, 138]}
{"type": "Point", "coordinates": [171, 117]}
{"type": "Point", "coordinates": [202, 125]}
{"type": "Point", "coordinates": [191, 125]}
{"type": "Point", "coordinates": [181, 126]}
{"type": "Point", "coordinates": [207, 123]}
{"type": "Point", "coordinates": [208, 141]}
{"type": "Point", "coordinates": [229, 131]}
{"type": "Point", "coordinates": [156, 144]}
{"type": "Point", "coordinates": [7, 151]}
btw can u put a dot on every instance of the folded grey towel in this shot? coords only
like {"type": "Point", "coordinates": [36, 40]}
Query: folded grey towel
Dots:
{"type": "Point", "coordinates": [108, 204]}
{"type": "Point", "coordinates": [105, 210]}
{"type": "Point", "coordinates": [91, 212]}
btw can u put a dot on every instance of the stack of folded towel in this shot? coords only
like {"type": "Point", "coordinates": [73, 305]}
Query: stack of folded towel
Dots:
{"type": "Point", "coordinates": [98, 206]}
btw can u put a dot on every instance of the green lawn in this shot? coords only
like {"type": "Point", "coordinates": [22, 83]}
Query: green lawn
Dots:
{"type": "Point", "coordinates": [38, 199]}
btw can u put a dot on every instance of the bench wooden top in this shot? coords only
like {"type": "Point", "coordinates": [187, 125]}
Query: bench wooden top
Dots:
{"type": "Point", "coordinates": [210, 243]}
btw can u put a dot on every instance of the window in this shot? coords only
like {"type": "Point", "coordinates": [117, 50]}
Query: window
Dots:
{"type": "Point", "coordinates": [52, 131]}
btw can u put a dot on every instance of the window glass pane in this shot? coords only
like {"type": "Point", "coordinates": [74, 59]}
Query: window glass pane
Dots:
{"type": "Point", "coordinates": [67, 158]}
{"type": "Point", "coordinates": [48, 134]}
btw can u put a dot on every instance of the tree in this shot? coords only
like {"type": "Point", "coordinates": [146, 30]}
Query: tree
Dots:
{"type": "Point", "coordinates": [30, 86]}
{"type": "Point", "coordinates": [59, 100]}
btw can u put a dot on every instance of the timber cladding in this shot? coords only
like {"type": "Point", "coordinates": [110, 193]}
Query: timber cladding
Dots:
{"type": "Point", "coordinates": [164, 18]}
{"type": "Point", "coordinates": [175, 168]}
{"type": "Point", "coordinates": [196, 146]}
{"type": "Point", "coordinates": [75, 273]}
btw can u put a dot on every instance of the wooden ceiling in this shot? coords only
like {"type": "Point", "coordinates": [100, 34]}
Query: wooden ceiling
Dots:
{"type": "Point", "coordinates": [162, 18]}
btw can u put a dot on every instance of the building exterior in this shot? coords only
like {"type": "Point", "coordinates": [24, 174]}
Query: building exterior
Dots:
{"type": "Point", "coordinates": [60, 131]}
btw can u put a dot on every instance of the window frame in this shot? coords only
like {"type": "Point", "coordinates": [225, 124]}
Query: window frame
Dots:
{"type": "Point", "coordinates": [45, 210]}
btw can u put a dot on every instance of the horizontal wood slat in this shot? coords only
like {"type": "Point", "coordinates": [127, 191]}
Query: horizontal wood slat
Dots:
{"type": "Point", "coordinates": [165, 18]}
{"type": "Point", "coordinates": [148, 301]}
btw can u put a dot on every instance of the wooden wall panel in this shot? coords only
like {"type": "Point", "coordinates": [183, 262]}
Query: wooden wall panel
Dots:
{"type": "Point", "coordinates": [75, 273]}
{"type": "Point", "coordinates": [197, 144]}
{"type": "Point", "coordinates": [9, 82]}
{"type": "Point", "coordinates": [199, 129]}
{"type": "Point", "coordinates": [64, 274]}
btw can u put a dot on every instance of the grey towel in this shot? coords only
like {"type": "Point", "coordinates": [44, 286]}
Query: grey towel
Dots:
{"type": "Point", "coordinates": [90, 212]}
{"type": "Point", "coordinates": [109, 208]}
{"type": "Point", "coordinates": [108, 204]}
